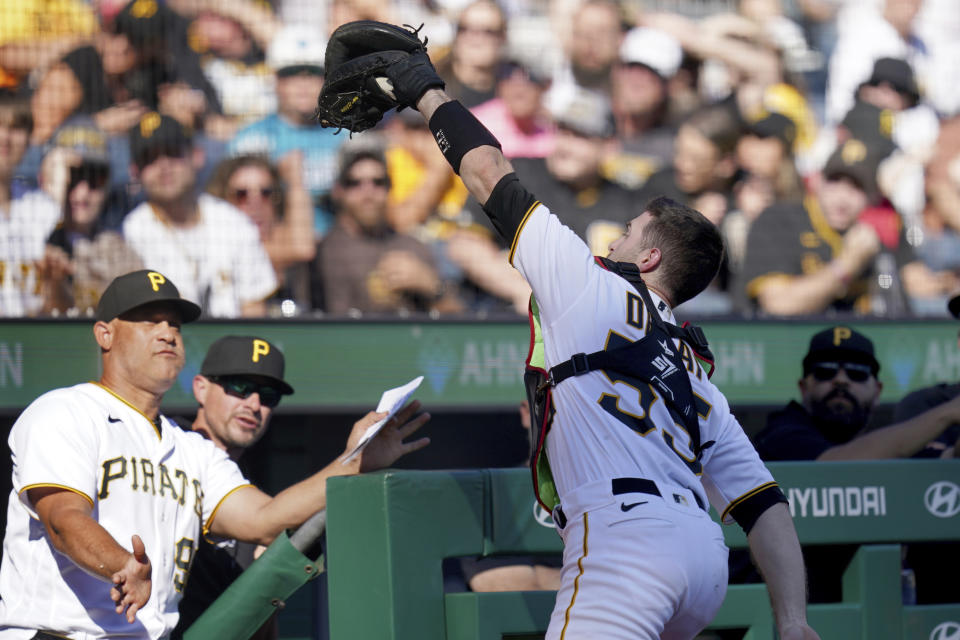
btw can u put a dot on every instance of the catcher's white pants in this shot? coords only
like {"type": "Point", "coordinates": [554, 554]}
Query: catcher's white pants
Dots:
{"type": "Point", "coordinates": [656, 570]}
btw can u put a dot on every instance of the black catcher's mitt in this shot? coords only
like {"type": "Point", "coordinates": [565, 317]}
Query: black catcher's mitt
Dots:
{"type": "Point", "coordinates": [360, 58]}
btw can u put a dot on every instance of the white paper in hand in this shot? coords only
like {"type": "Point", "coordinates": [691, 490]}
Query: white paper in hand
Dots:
{"type": "Point", "coordinates": [391, 401]}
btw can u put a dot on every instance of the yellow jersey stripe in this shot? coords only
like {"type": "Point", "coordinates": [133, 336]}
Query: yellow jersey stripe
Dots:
{"type": "Point", "coordinates": [516, 236]}
{"type": "Point", "coordinates": [121, 399]}
{"type": "Point", "coordinates": [213, 514]}
{"type": "Point", "coordinates": [820, 225]}
{"type": "Point", "coordinates": [576, 581]}
{"type": "Point", "coordinates": [57, 486]}
{"type": "Point", "coordinates": [746, 496]}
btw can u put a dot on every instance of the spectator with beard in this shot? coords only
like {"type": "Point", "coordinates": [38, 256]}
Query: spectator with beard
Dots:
{"type": "Point", "coordinates": [839, 390]}
{"type": "Point", "coordinates": [363, 265]}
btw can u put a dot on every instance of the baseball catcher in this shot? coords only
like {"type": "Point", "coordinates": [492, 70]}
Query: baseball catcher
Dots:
{"type": "Point", "coordinates": [634, 440]}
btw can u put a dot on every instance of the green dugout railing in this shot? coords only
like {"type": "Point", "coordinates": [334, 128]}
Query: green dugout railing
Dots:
{"type": "Point", "coordinates": [466, 364]}
{"type": "Point", "coordinates": [388, 534]}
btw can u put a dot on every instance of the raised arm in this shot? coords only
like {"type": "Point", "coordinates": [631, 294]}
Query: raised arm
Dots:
{"type": "Point", "coordinates": [481, 167]}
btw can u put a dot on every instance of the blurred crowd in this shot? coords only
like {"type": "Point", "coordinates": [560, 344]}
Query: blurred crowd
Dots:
{"type": "Point", "coordinates": [821, 136]}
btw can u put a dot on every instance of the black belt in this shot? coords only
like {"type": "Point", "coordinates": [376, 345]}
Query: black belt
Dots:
{"type": "Point", "coordinates": [619, 486]}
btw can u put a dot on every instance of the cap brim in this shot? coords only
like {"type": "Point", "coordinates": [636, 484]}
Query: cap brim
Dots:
{"type": "Point", "coordinates": [188, 310]}
{"type": "Point", "coordinates": [954, 306]}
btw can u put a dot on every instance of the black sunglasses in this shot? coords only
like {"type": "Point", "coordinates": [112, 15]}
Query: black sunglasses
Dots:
{"type": "Point", "coordinates": [94, 175]}
{"type": "Point", "coordinates": [825, 371]}
{"type": "Point", "coordinates": [241, 195]}
{"type": "Point", "coordinates": [487, 31]}
{"type": "Point", "coordinates": [353, 183]}
{"type": "Point", "coordinates": [243, 388]}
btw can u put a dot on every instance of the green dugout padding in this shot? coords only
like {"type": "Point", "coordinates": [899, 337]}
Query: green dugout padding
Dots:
{"type": "Point", "coordinates": [256, 594]}
{"type": "Point", "coordinates": [388, 534]}
{"type": "Point", "coordinates": [464, 364]}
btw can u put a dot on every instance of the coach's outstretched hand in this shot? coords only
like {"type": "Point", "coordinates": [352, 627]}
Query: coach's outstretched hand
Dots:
{"type": "Point", "coordinates": [132, 585]}
{"type": "Point", "coordinates": [389, 445]}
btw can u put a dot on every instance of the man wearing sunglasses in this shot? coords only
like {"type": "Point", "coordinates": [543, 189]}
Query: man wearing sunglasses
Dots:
{"type": "Point", "coordinates": [363, 264]}
{"type": "Point", "coordinates": [839, 390]}
{"type": "Point", "coordinates": [110, 498]}
{"type": "Point", "coordinates": [239, 385]}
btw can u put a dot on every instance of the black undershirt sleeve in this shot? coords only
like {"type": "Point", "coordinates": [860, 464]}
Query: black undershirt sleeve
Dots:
{"type": "Point", "coordinates": [507, 205]}
{"type": "Point", "coordinates": [748, 511]}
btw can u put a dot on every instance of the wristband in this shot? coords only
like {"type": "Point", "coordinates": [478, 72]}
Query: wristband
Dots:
{"type": "Point", "coordinates": [457, 131]}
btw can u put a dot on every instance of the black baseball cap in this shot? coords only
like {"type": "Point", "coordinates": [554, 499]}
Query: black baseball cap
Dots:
{"type": "Point", "coordinates": [872, 125]}
{"type": "Point", "coordinates": [135, 289]}
{"type": "Point", "coordinates": [857, 160]}
{"type": "Point", "coordinates": [246, 356]}
{"type": "Point", "coordinates": [898, 74]}
{"type": "Point", "coordinates": [775, 125]}
{"type": "Point", "coordinates": [146, 23]}
{"type": "Point", "coordinates": [840, 344]}
{"type": "Point", "coordinates": [156, 135]}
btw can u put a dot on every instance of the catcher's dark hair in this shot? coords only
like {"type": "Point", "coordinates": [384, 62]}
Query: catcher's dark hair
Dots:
{"type": "Point", "coordinates": [691, 247]}
{"type": "Point", "coordinates": [15, 112]}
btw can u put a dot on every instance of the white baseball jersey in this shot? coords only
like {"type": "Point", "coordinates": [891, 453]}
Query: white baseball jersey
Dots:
{"type": "Point", "coordinates": [159, 483]}
{"type": "Point", "coordinates": [642, 563]}
{"type": "Point", "coordinates": [606, 428]}
{"type": "Point", "coordinates": [219, 262]}
{"type": "Point", "coordinates": [24, 229]}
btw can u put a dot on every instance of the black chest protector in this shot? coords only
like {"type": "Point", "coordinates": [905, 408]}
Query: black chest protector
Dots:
{"type": "Point", "coordinates": [654, 359]}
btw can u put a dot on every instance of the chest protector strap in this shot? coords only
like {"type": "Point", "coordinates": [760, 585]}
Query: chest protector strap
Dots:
{"type": "Point", "coordinates": [654, 359]}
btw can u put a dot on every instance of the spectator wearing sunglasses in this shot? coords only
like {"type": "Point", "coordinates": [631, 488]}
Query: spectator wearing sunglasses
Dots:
{"type": "Point", "coordinates": [363, 265]}
{"type": "Point", "coordinates": [470, 70]}
{"type": "Point", "coordinates": [274, 198]}
{"type": "Point", "coordinates": [82, 255]}
{"type": "Point", "coordinates": [839, 390]}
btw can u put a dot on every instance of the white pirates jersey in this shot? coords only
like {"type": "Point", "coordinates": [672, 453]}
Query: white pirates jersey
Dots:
{"type": "Point", "coordinates": [160, 483]}
{"type": "Point", "coordinates": [219, 263]}
{"type": "Point", "coordinates": [606, 425]}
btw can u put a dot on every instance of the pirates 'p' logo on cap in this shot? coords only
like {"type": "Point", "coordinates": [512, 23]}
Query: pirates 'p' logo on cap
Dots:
{"type": "Point", "coordinates": [840, 334]}
{"type": "Point", "coordinates": [156, 279]}
{"type": "Point", "coordinates": [149, 123]}
{"type": "Point", "coordinates": [260, 348]}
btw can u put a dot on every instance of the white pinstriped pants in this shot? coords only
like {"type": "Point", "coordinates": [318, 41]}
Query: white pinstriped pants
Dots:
{"type": "Point", "coordinates": [657, 570]}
